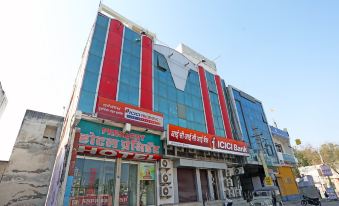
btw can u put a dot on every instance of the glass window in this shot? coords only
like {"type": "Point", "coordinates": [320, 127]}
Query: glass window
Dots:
{"type": "Point", "coordinates": [86, 101]}
{"type": "Point", "coordinates": [181, 111]}
{"type": "Point", "coordinates": [93, 181]}
{"type": "Point", "coordinates": [128, 184]}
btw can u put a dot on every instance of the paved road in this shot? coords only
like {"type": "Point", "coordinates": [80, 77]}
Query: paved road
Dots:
{"type": "Point", "coordinates": [323, 203]}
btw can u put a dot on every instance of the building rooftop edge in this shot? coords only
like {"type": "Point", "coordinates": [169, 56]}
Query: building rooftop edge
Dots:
{"type": "Point", "coordinates": [107, 10]}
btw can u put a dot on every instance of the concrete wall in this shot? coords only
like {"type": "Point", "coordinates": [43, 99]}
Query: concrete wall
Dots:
{"type": "Point", "coordinates": [26, 179]}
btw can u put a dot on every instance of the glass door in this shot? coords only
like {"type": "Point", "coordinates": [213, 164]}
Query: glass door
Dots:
{"type": "Point", "coordinates": [128, 184]}
{"type": "Point", "coordinates": [147, 184]}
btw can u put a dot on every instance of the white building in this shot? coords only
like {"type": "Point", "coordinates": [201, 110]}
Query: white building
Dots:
{"type": "Point", "coordinates": [3, 100]}
{"type": "Point", "coordinates": [25, 177]}
{"type": "Point", "coordinates": [321, 181]}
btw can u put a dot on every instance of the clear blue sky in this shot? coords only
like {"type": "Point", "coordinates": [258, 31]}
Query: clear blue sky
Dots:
{"type": "Point", "coordinates": [285, 53]}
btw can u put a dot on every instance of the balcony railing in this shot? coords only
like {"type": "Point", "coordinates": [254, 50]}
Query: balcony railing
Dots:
{"type": "Point", "coordinates": [289, 159]}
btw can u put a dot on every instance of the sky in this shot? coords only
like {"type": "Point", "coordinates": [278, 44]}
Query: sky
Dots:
{"type": "Point", "coordinates": [284, 53]}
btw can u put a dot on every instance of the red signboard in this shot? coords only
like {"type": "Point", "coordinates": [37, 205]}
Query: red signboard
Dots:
{"type": "Point", "coordinates": [107, 152]}
{"type": "Point", "coordinates": [120, 112]}
{"type": "Point", "coordinates": [183, 137]}
{"type": "Point", "coordinates": [92, 200]}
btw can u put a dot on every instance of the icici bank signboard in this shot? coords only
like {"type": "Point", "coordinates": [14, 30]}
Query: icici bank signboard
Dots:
{"type": "Point", "coordinates": [120, 112]}
{"type": "Point", "coordinates": [183, 137]}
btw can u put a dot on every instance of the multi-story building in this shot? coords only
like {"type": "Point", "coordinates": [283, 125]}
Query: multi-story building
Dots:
{"type": "Point", "coordinates": [146, 125]}
{"type": "Point", "coordinates": [255, 131]}
{"type": "Point", "coordinates": [325, 179]}
{"type": "Point", "coordinates": [3, 100]}
{"type": "Point", "coordinates": [26, 176]}
{"type": "Point", "coordinates": [285, 177]}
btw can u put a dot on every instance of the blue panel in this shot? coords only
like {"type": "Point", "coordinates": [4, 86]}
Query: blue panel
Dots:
{"type": "Point", "coordinates": [86, 101]}
{"type": "Point", "coordinates": [92, 70]}
{"type": "Point", "coordinates": [68, 190]}
{"type": "Point", "coordinates": [130, 70]}
{"type": "Point", "coordinates": [253, 123]}
{"type": "Point", "coordinates": [167, 96]}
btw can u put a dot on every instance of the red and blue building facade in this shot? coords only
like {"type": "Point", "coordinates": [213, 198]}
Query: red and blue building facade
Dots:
{"type": "Point", "coordinates": [127, 73]}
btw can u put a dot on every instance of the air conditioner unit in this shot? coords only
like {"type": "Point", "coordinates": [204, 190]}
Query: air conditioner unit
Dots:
{"type": "Point", "coordinates": [239, 171]}
{"type": "Point", "coordinates": [238, 192]}
{"type": "Point", "coordinates": [228, 182]}
{"type": "Point", "coordinates": [228, 193]}
{"type": "Point", "coordinates": [229, 172]}
{"type": "Point", "coordinates": [166, 191]}
{"type": "Point", "coordinates": [164, 164]}
{"type": "Point", "coordinates": [165, 177]}
{"type": "Point", "coordinates": [232, 193]}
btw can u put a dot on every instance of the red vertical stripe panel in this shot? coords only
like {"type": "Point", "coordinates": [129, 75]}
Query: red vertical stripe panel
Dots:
{"type": "Point", "coordinates": [223, 106]}
{"type": "Point", "coordinates": [146, 97]}
{"type": "Point", "coordinates": [206, 101]}
{"type": "Point", "coordinates": [110, 68]}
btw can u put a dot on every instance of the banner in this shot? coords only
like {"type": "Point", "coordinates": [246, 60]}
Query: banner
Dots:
{"type": "Point", "coordinates": [120, 112]}
{"type": "Point", "coordinates": [98, 139]}
{"type": "Point", "coordinates": [92, 200]}
{"type": "Point", "coordinates": [183, 137]}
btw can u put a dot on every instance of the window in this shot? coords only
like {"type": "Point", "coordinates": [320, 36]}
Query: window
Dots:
{"type": "Point", "coordinates": [50, 132]}
{"type": "Point", "coordinates": [181, 111]}
{"type": "Point", "coordinates": [279, 148]}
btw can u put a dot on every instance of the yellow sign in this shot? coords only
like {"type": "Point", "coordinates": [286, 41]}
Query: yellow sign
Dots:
{"type": "Point", "coordinates": [268, 181]}
{"type": "Point", "coordinates": [297, 141]}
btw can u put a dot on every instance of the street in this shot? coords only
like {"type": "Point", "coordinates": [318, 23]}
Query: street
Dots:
{"type": "Point", "coordinates": [323, 203]}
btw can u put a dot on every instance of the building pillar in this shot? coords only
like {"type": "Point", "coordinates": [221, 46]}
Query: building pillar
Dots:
{"type": "Point", "coordinates": [198, 184]}
{"type": "Point", "coordinates": [221, 185]}
{"type": "Point", "coordinates": [210, 185]}
{"type": "Point", "coordinates": [175, 186]}
{"type": "Point", "coordinates": [117, 181]}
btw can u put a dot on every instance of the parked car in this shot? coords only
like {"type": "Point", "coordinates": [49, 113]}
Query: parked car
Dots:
{"type": "Point", "coordinates": [267, 196]}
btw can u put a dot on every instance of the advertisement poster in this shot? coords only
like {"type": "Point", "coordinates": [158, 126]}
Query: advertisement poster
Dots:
{"type": "Point", "coordinates": [117, 111]}
{"type": "Point", "coordinates": [146, 171]}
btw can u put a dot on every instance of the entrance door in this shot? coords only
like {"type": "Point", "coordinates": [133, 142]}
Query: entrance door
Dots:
{"type": "Point", "coordinates": [204, 185]}
{"type": "Point", "coordinates": [128, 184]}
{"type": "Point", "coordinates": [147, 184]}
{"type": "Point", "coordinates": [215, 185]}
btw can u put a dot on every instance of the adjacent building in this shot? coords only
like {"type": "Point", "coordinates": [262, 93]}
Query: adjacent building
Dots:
{"type": "Point", "coordinates": [26, 176]}
{"type": "Point", "coordinates": [3, 100]}
{"type": "Point", "coordinates": [286, 178]}
{"type": "Point", "coordinates": [324, 178]}
{"type": "Point", "coordinates": [255, 131]}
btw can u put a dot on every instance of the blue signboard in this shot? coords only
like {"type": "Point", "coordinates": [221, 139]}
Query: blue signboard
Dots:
{"type": "Point", "coordinates": [278, 132]}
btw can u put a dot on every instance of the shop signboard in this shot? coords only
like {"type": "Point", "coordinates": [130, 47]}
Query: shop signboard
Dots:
{"type": "Point", "coordinates": [326, 170]}
{"type": "Point", "coordinates": [268, 181]}
{"type": "Point", "coordinates": [120, 112]}
{"type": "Point", "coordinates": [92, 200]}
{"type": "Point", "coordinates": [183, 137]}
{"type": "Point", "coordinates": [109, 141]}
{"type": "Point", "coordinates": [331, 193]}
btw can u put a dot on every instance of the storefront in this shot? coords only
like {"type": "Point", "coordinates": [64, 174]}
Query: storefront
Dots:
{"type": "Point", "coordinates": [203, 167]}
{"type": "Point", "coordinates": [112, 167]}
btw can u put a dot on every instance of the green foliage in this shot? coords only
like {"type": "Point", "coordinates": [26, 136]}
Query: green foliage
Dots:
{"type": "Point", "coordinates": [309, 155]}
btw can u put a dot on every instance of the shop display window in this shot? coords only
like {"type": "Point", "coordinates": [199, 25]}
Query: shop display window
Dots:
{"type": "Point", "coordinates": [93, 182]}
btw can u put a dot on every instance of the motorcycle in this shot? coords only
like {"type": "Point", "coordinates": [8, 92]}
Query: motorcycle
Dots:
{"type": "Point", "coordinates": [312, 201]}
